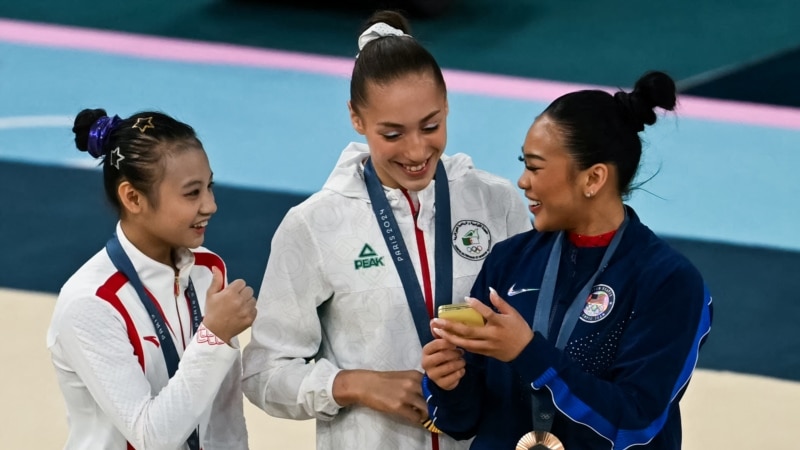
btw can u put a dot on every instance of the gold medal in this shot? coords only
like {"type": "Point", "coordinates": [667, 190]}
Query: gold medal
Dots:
{"type": "Point", "coordinates": [428, 425]}
{"type": "Point", "coordinates": [539, 440]}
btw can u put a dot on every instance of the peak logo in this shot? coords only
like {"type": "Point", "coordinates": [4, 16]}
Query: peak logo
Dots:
{"type": "Point", "coordinates": [368, 258]}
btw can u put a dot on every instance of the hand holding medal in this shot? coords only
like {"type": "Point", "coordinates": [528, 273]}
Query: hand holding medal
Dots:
{"type": "Point", "coordinates": [503, 337]}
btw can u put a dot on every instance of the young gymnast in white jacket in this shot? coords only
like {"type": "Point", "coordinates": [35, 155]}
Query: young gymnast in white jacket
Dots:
{"type": "Point", "coordinates": [143, 337]}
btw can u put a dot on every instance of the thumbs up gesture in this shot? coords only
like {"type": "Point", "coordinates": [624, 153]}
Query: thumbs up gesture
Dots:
{"type": "Point", "coordinates": [231, 310]}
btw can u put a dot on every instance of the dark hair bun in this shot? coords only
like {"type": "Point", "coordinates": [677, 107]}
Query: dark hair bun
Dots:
{"type": "Point", "coordinates": [83, 123]}
{"type": "Point", "coordinates": [653, 89]}
{"type": "Point", "coordinates": [391, 18]}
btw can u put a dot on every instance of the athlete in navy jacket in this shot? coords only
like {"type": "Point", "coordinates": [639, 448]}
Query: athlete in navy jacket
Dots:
{"type": "Point", "coordinates": [633, 311]}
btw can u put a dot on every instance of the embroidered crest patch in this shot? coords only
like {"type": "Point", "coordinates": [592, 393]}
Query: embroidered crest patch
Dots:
{"type": "Point", "coordinates": [471, 239]}
{"type": "Point", "coordinates": [599, 304]}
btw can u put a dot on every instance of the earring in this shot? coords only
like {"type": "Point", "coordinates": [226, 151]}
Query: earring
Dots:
{"type": "Point", "coordinates": [589, 194]}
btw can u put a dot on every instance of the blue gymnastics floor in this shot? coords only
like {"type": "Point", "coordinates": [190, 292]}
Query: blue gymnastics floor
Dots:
{"type": "Point", "coordinates": [725, 190]}
{"type": "Point", "coordinates": [282, 130]}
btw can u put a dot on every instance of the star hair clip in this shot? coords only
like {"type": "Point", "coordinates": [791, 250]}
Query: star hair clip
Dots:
{"type": "Point", "coordinates": [143, 123]}
{"type": "Point", "coordinates": [116, 157]}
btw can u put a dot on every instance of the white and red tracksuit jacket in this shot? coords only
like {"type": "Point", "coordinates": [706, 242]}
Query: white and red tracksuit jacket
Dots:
{"type": "Point", "coordinates": [112, 372]}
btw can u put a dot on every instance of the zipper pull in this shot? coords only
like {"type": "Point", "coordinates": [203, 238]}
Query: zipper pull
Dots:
{"type": "Point", "coordinates": [177, 287]}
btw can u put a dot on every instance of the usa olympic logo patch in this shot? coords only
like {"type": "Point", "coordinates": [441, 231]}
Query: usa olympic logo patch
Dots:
{"type": "Point", "coordinates": [471, 239]}
{"type": "Point", "coordinates": [599, 304]}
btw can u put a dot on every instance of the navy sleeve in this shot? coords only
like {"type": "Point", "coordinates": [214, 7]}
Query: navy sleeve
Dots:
{"type": "Point", "coordinates": [457, 412]}
{"type": "Point", "coordinates": [654, 362]}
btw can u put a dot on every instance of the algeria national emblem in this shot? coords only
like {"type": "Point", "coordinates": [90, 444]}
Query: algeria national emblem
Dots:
{"type": "Point", "coordinates": [471, 239]}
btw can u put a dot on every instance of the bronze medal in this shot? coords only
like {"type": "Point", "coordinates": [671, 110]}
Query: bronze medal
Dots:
{"type": "Point", "coordinates": [539, 440]}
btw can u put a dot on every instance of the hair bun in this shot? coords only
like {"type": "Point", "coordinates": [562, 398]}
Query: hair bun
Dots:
{"type": "Point", "coordinates": [653, 89]}
{"type": "Point", "coordinates": [83, 123]}
{"type": "Point", "coordinates": [391, 18]}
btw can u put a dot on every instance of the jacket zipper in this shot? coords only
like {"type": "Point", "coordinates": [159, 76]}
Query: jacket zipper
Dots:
{"type": "Point", "coordinates": [177, 308]}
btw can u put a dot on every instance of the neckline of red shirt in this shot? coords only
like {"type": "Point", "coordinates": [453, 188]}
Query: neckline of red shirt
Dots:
{"type": "Point", "coordinates": [601, 240]}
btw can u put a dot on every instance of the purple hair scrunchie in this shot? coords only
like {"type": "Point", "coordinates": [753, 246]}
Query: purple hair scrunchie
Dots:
{"type": "Point", "coordinates": [98, 133]}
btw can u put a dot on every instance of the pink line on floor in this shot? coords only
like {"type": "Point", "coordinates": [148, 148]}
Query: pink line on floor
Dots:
{"type": "Point", "coordinates": [128, 44]}
{"type": "Point", "coordinates": [688, 106]}
{"type": "Point", "coordinates": [142, 46]}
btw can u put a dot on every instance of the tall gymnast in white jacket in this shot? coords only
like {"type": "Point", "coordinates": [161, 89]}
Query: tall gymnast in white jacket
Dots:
{"type": "Point", "coordinates": [357, 270]}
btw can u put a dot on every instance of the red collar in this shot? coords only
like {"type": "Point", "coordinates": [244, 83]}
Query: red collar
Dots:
{"type": "Point", "coordinates": [601, 240]}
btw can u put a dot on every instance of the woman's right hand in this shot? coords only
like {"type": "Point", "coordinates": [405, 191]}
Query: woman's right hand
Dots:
{"type": "Point", "coordinates": [444, 363]}
{"type": "Point", "coordinates": [231, 310]}
{"type": "Point", "coordinates": [396, 392]}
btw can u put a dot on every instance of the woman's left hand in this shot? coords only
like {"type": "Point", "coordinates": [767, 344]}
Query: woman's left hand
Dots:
{"type": "Point", "coordinates": [503, 337]}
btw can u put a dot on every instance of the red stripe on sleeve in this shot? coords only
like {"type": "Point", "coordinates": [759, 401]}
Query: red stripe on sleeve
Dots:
{"type": "Point", "coordinates": [210, 260]}
{"type": "Point", "coordinates": [108, 292]}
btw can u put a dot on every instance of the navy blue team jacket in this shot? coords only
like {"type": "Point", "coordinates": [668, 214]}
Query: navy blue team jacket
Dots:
{"type": "Point", "coordinates": [628, 361]}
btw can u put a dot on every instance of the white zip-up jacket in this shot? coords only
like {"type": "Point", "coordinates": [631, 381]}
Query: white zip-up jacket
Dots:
{"type": "Point", "coordinates": [331, 298]}
{"type": "Point", "coordinates": [112, 372]}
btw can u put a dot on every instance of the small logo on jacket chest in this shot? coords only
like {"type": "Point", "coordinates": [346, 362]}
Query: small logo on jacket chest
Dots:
{"type": "Point", "coordinates": [599, 304]}
{"type": "Point", "coordinates": [471, 239]}
{"type": "Point", "coordinates": [368, 258]}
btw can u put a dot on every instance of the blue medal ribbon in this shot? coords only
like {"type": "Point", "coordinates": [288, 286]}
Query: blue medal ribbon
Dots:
{"type": "Point", "coordinates": [443, 255]}
{"type": "Point", "coordinates": [123, 264]}
{"type": "Point", "coordinates": [541, 403]}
